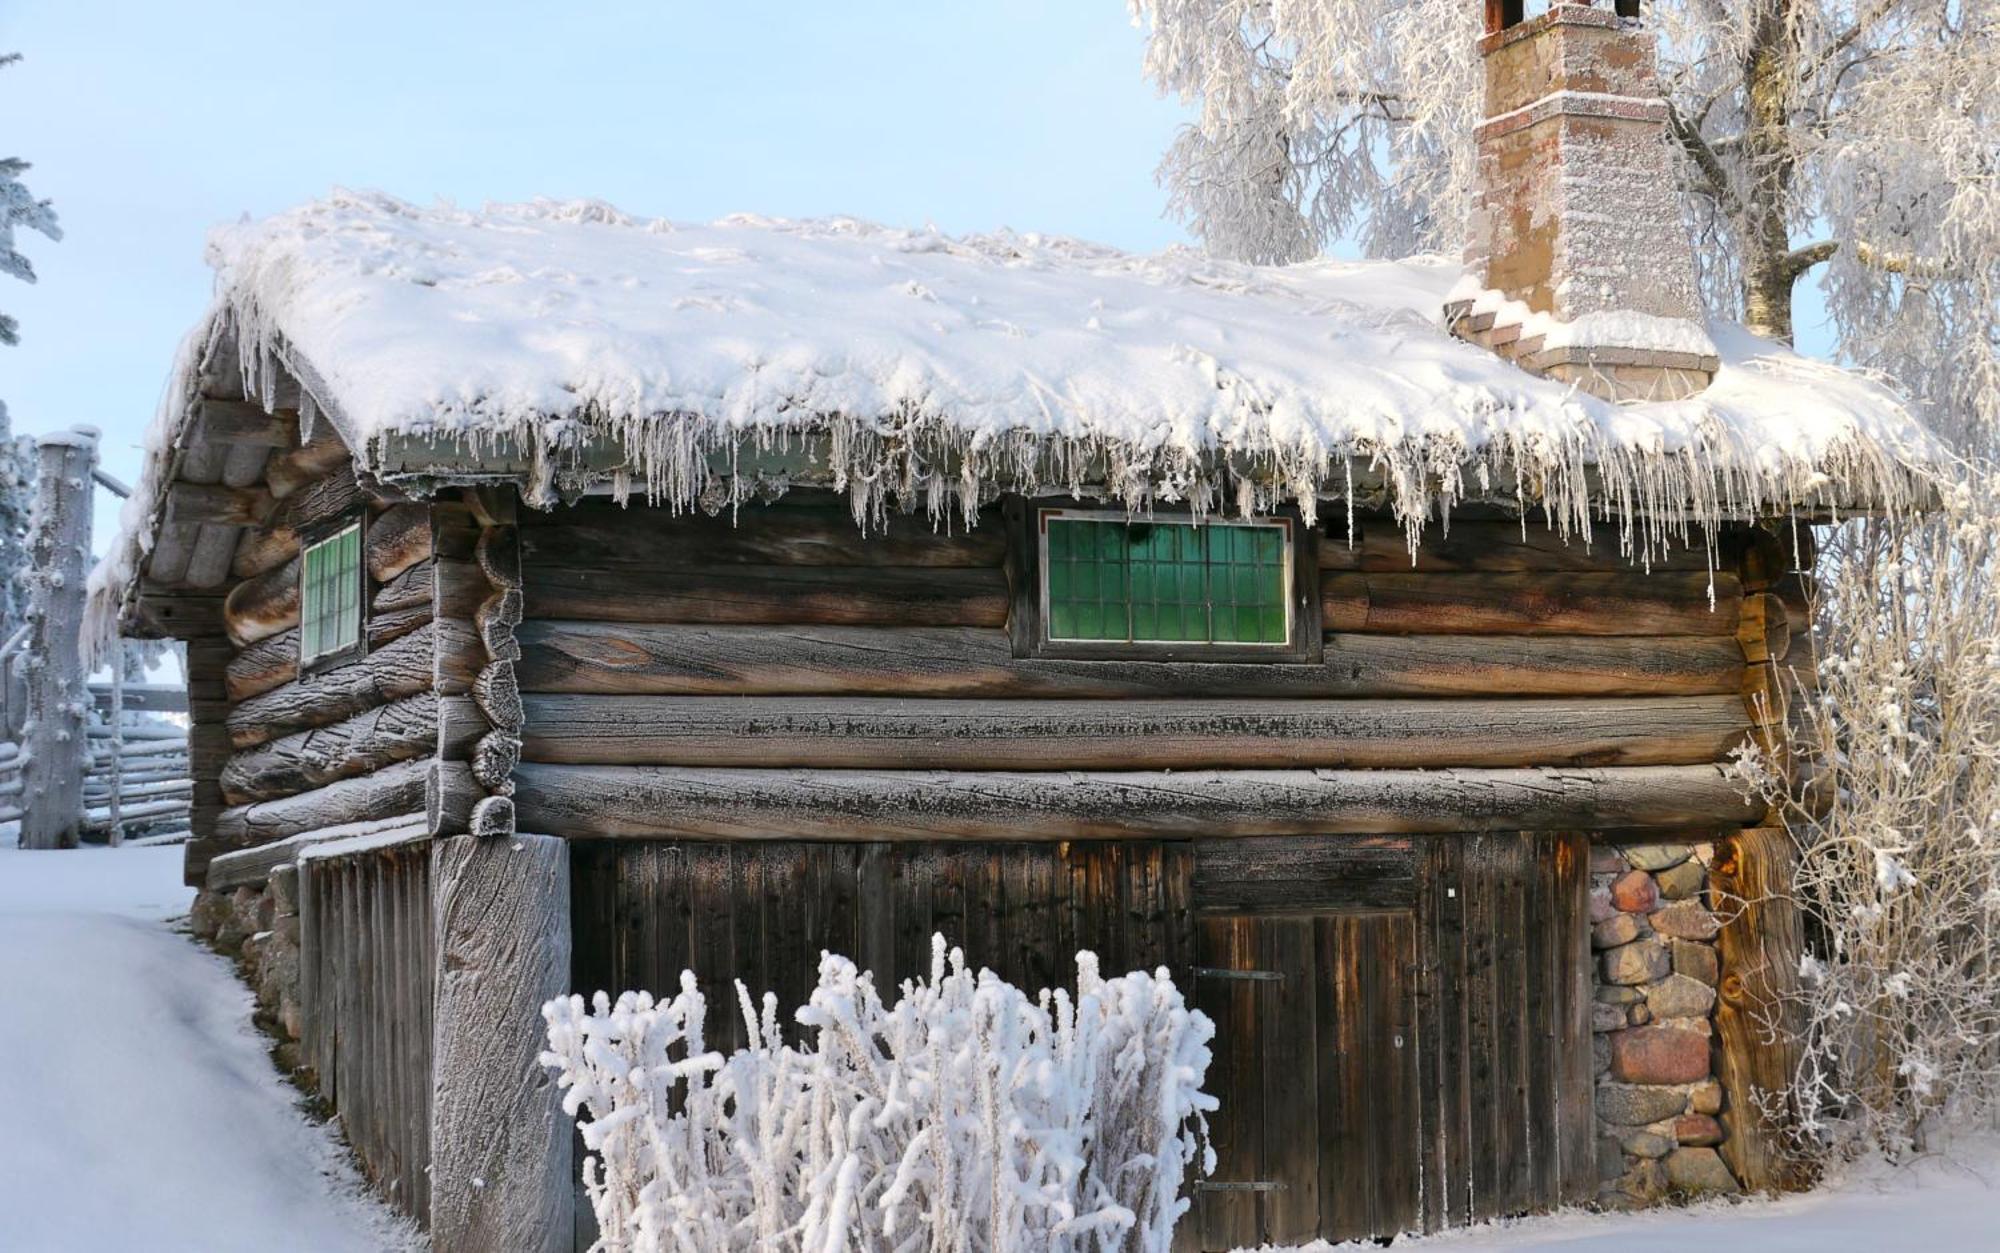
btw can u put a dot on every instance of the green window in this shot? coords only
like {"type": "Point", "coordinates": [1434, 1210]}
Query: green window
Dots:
{"type": "Point", "coordinates": [1110, 580]}
{"type": "Point", "coordinates": [330, 595]}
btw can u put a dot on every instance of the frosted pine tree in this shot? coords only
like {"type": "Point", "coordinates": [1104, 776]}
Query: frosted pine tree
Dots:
{"type": "Point", "coordinates": [1854, 141]}
{"type": "Point", "coordinates": [18, 207]}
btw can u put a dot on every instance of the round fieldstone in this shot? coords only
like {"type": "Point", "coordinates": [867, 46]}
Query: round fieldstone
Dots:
{"type": "Point", "coordinates": [1608, 1017]}
{"type": "Point", "coordinates": [1658, 1055]}
{"type": "Point", "coordinates": [1601, 907]}
{"type": "Point", "coordinates": [1706, 1098]}
{"type": "Point", "coordinates": [1643, 1143]}
{"type": "Point", "coordinates": [1635, 893]}
{"type": "Point", "coordinates": [1657, 856]}
{"type": "Point", "coordinates": [1686, 920]}
{"type": "Point", "coordinates": [1678, 996]}
{"type": "Point", "coordinates": [1698, 1130]}
{"type": "Point", "coordinates": [1647, 1180]}
{"type": "Point", "coordinates": [1615, 930]}
{"type": "Point", "coordinates": [1681, 882]}
{"type": "Point", "coordinates": [1642, 961]}
{"type": "Point", "coordinates": [1618, 994]}
{"type": "Point", "coordinates": [1605, 859]}
{"type": "Point", "coordinates": [1697, 961]}
{"type": "Point", "coordinates": [1699, 1170]}
{"type": "Point", "coordinates": [1633, 1105]}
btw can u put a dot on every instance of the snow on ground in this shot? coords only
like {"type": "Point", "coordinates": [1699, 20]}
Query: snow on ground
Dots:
{"type": "Point", "coordinates": [139, 1109]}
{"type": "Point", "coordinates": [1940, 1204]}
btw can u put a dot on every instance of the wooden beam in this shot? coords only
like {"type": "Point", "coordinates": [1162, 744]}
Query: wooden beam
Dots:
{"type": "Point", "coordinates": [604, 536]}
{"type": "Point", "coordinates": [500, 1144]}
{"type": "Point", "coordinates": [1757, 1025]}
{"type": "Point", "coordinates": [875, 733]}
{"type": "Point", "coordinates": [667, 802]}
{"type": "Point", "coordinates": [217, 503]}
{"type": "Point", "coordinates": [1532, 604]}
{"type": "Point", "coordinates": [616, 657]}
{"type": "Point", "coordinates": [1489, 547]}
{"type": "Point", "coordinates": [403, 731]}
{"type": "Point", "coordinates": [445, 656]}
{"type": "Point", "coordinates": [288, 473]}
{"type": "Point", "coordinates": [261, 607]}
{"type": "Point", "coordinates": [854, 595]}
{"type": "Point", "coordinates": [252, 866]}
{"type": "Point", "coordinates": [397, 789]}
{"type": "Point", "coordinates": [244, 423]}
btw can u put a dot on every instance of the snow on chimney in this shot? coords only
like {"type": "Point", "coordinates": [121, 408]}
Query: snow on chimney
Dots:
{"type": "Point", "coordinates": [1578, 264]}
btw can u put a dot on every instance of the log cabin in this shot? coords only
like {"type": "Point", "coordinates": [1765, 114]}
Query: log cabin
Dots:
{"type": "Point", "coordinates": [571, 599]}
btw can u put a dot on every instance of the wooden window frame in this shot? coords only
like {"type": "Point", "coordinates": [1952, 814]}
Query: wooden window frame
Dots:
{"type": "Point", "coordinates": [310, 537]}
{"type": "Point", "coordinates": [1027, 619]}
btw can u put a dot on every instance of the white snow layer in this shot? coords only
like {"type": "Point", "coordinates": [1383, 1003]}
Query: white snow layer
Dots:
{"type": "Point", "coordinates": [138, 1107]}
{"type": "Point", "coordinates": [939, 368]}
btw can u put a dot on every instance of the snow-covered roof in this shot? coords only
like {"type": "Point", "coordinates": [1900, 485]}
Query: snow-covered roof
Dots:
{"type": "Point", "coordinates": [564, 343]}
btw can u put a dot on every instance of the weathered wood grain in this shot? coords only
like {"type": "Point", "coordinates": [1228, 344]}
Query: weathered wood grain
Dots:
{"type": "Point", "coordinates": [500, 1145]}
{"type": "Point", "coordinates": [401, 668]}
{"type": "Point", "coordinates": [1532, 603]}
{"type": "Point", "coordinates": [1756, 1015]}
{"type": "Point", "coordinates": [252, 866]}
{"type": "Point", "coordinates": [244, 423]}
{"type": "Point", "coordinates": [217, 503]}
{"type": "Point", "coordinates": [260, 548]}
{"type": "Point", "coordinates": [399, 537]}
{"type": "Point", "coordinates": [260, 607]}
{"type": "Point", "coordinates": [397, 789]}
{"type": "Point", "coordinates": [318, 501]}
{"type": "Point", "coordinates": [450, 795]}
{"type": "Point", "coordinates": [611, 657]}
{"type": "Point", "coordinates": [854, 595]}
{"type": "Point", "coordinates": [272, 662]}
{"type": "Point", "coordinates": [645, 801]}
{"type": "Point", "coordinates": [401, 731]}
{"type": "Point", "coordinates": [875, 733]}
{"type": "Point", "coordinates": [605, 536]}
{"type": "Point", "coordinates": [1491, 547]}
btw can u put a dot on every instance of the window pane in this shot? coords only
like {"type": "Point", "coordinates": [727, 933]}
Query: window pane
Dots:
{"type": "Point", "coordinates": [1165, 582]}
{"type": "Point", "coordinates": [330, 594]}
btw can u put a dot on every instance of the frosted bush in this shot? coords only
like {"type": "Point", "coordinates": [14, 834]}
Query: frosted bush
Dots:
{"type": "Point", "coordinates": [1896, 817]}
{"type": "Point", "coordinates": [965, 1116]}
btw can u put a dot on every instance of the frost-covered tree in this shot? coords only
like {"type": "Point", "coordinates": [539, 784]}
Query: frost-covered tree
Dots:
{"type": "Point", "coordinates": [1854, 140]}
{"type": "Point", "coordinates": [18, 207]}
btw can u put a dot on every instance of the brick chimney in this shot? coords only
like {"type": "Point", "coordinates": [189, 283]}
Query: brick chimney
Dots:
{"type": "Point", "coordinates": [1578, 264]}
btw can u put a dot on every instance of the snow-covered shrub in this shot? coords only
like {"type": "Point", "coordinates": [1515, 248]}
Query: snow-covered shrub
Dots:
{"type": "Point", "coordinates": [965, 1116]}
{"type": "Point", "coordinates": [1898, 828]}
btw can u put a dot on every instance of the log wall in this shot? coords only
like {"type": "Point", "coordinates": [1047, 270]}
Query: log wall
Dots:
{"type": "Point", "coordinates": [781, 670]}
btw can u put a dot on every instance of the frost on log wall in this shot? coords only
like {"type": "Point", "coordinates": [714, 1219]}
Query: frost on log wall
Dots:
{"type": "Point", "coordinates": [771, 734]}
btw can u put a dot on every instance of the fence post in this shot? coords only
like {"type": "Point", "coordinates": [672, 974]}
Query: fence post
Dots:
{"type": "Point", "coordinates": [500, 1144]}
{"type": "Point", "coordinates": [59, 556]}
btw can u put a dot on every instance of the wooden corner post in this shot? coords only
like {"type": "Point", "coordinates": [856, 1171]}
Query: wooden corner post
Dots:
{"type": "Point", "coordinates": [501, 1148]}
{"type": "Point", "coordinates": [59, 554]}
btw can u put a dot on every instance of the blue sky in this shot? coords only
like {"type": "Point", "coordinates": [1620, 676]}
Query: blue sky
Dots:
{"type": "Point", "coordinates": [148, 121]}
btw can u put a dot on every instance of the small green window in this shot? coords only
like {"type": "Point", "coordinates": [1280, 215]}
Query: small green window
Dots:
{"type": "Point", "coordinates": [1110, 580]}
{"type": "Point", "coordinates": [330, 596]}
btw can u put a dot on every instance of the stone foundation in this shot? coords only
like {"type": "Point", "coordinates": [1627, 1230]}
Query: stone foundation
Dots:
{"type": "Point", "coordinates": [1656, 973]}
{"type": "Point", "coordinates": [259, 928]}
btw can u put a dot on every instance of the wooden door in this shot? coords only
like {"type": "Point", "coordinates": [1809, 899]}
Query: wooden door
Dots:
{"type": "Point", "coordinates": [1402, 1036]}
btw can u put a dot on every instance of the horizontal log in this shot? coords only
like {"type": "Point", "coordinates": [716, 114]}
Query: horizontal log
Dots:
{"type": "Point", "coordinates": [852, 595]}
{"type": "Point", "coordinates": [217, 503]}
{"type": "Point", "coordinates": [243, 422]}
{"type": "Point", "coordinates": [399, 789]}
{"type": "Point", "coordinates": [272, 662]}
{"type": "Point", "coordinates": [604, 536]}
{"type": "Point", "coordinates": [301, 467]}
{"type": "Point", "coordinates": [1531, 604]}
{"type": "Point", "coordinates": [441, 655]}
{"type": "Point", "coordinates": [668, 802]}
{"type": "Point", "coordinates": [417, 726]}
{"type": "Point", "coordinates": [324, 499]}
{"type": "Point", "coordinates": [259, 549]}
{"type": "Point", "coordinates": [260, 607]}
{"type": "Point", "coordinates": [398, 538]}
{"type": "Point", "coordinates": [141, 698]}
{"type": "Point", "coordinates": [252, 866]}
{"type": "Point", "coordinates": [968, 662]}
{"type": "Point", "coordinates": [873, 733]}
{"type": "Point", "coordinates": [1493, 547]}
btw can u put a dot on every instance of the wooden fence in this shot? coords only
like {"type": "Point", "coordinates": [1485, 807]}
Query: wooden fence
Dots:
{"type": "Point", "coordinates": [365, 926]}
{"type": "Point", "coordinates": [79, 759]}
